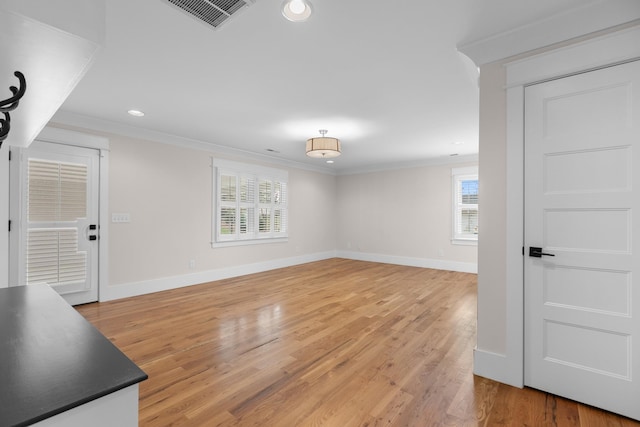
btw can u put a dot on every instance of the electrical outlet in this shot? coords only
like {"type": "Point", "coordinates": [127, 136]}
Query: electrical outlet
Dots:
{"type": "Point", "coordinates": [192, 264]}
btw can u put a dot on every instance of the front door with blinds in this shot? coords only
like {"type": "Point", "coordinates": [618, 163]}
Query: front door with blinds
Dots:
{"type": "Point", "coordinates": [58, 220]}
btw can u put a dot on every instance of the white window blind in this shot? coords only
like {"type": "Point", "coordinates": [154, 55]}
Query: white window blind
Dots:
{"type": "Point", "coordinates": [250, 203]}
{"type": "Point", "coordinates": [465, 204]}
{"type": "Point", "coordinates": [56, 192]}
{"type": "Point", "coordinates": [53, 257]}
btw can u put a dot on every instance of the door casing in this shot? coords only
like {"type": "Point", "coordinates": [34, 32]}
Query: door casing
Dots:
{"type": "Point", "coordinates": [598, 52]}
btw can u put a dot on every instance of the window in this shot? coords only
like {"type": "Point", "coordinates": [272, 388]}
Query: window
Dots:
{"type": "Point", "coordinates": [465, 205]}
{"type": "Point", "coordinates": [250, 203]}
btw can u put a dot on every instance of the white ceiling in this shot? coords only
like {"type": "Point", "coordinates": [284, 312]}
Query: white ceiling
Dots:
{"type": "Point", "coordinates": [384, 77]}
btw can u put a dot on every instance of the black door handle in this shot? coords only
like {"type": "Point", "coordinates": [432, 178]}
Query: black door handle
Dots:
{"type": "Point", "coordinates": [91, 228]}
{"type": "Point", "coordinates": [537, 252]}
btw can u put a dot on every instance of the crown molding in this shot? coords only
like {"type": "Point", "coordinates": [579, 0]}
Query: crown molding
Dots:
{"type": "Point", "coordinates": [106, 126]}
{"type": "Point", "coordinates": [597, 52]}
{"type": "Point", "coordinates": [591, 18]}
{"type": "Point", "coordinates": [435, 161]}
{"type": "Point", "coordinates": [66, 118]}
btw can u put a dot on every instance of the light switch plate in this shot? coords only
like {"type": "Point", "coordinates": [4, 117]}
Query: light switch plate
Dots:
{"type": "Point", "coordinates": [120, 217]}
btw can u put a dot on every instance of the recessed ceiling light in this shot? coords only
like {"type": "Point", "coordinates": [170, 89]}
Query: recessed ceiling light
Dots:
{"type": "Point", "coordinates": [329, 161]}
{"type": "Point", "coordinates": [136, 113]}
{"type": "Point", "coordinates": [296, 10]}
{"type": "Point", "coordinates": [457, 143]}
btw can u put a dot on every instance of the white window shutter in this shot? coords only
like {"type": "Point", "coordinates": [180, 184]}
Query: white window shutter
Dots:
{"type": "Point", "coordinates": [57, 192]}
{"type": "Point", "coordinates": [251, 203]}
{"type": "Point", "coordinates": [465, 204]}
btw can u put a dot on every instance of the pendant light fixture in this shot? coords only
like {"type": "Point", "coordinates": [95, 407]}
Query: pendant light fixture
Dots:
{"type": "Point", "coordinates": [323, 147]}
{"type": "Point", "coordinates": [296, 10]}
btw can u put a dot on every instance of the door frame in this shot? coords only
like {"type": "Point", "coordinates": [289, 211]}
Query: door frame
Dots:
{"type": "Point", "coordinates": [604, 51]}
{"type": "Point", "coordinates": [75, 139]}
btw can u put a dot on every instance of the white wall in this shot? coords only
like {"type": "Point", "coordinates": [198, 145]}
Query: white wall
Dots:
{"type": "Point", "coordinates": [87, 19]}
{"type": "Point", "coordinates": [402, 216]}
{"type": "Point", "coordinates": [492, 222]}
{"type": "Point", "coordinates": [167, 190]}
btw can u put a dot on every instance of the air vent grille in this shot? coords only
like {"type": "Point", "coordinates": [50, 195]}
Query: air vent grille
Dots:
{"type": "Point", "coordinates": [213, 12]}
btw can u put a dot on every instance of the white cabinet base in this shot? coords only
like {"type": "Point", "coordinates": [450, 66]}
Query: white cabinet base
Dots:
{"type": "Point", "coordinates": [116, 409]}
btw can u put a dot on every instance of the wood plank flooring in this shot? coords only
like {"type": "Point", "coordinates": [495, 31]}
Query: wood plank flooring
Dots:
{"type": "Point", "coordinates": [331, 343]}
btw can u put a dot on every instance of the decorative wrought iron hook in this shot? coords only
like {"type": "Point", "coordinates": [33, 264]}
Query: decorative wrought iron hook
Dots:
{"type": "Point", "coordinates": [11, 104]}
{"type": "Point", "coordinates": [4, 127]}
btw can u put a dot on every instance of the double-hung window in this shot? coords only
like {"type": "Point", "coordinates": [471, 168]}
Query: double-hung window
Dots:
{"type": "Point", "coordinates": [465, 205]}
{"type": "Point", "coordinates": [250, 203]}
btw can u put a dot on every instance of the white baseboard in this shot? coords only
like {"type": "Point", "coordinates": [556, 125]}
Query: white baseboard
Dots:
{"type": "Point", "coordinates": [125, 290]}
{"type": "Point", "coordinates": [132, 289]}
{"type": "Point", "coordinates": [438, 264]}
{"type": "Point", "coordinates": [495, 367]}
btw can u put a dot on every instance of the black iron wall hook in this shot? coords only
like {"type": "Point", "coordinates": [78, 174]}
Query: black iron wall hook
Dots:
{"type": "Point", "coordinates": [11, 104]}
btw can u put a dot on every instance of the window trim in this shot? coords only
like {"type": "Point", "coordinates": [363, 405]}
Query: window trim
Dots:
{"type": "Point", "coordinates": [256, 173]}
{"type": "Point", "coordinates": [457, 175]}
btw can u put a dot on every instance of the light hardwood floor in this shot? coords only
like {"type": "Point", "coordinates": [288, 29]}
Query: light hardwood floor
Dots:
{"type": "Point", "coordinates": [331, 343]}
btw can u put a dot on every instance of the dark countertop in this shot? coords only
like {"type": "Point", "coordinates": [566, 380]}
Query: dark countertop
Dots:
{"type": "Point", "coordinates": [52, 359]}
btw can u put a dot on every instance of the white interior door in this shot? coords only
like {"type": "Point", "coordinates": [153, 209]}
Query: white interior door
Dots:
{"type": "Point", "coordinates": [58, 229]}
{"type": "Point", "coordinates": [582, 208]}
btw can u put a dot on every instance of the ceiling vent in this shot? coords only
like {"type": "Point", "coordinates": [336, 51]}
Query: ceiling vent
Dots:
{"type": "Point", "coordinates": [212, 12]}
